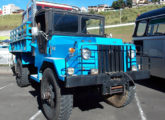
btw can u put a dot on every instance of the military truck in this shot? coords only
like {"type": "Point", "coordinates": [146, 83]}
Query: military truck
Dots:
{"type": "Point", "coordinates": [58, 49]}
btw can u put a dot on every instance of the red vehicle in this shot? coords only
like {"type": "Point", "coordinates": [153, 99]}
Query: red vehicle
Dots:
{"type": "Point", "coordinates": [0, 12]}
{"type": "Point", "coordinates": [27, 15]}
{"type": "Point", "coordinates": [42, 5]}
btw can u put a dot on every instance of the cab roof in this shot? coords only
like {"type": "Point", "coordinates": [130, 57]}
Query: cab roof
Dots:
{"type": "Point", "coordinates": [150, 14]}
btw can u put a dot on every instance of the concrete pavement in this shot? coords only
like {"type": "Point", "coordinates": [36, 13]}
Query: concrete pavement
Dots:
{"type": "Point", "coordinates": [24, 104]}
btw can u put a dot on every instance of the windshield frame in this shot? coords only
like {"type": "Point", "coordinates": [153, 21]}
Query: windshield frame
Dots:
{"type": "Point", "coordinates": [80, 16]}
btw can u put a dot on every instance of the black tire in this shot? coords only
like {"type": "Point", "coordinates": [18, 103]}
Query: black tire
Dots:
{"type": "Point", "coordinates": [22, 76]}
{"type": "Point", "coordinates": [123, 99]}
{"type": "Point", "coordinates": [13, 70]}
{"type": "Point", "coordinates": [56, 106]}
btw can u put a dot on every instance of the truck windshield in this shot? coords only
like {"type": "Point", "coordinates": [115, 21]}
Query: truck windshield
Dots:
{"type": "Point", "coordinates": [78, 24]}
{"type": "Point", "coordinates": [65, 23]}
{"type": "Point", "coordinates": [91, 26]}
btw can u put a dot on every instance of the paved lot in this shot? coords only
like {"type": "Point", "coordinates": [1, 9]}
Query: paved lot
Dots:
{"type": "Point", "coordinates": [23, 104]}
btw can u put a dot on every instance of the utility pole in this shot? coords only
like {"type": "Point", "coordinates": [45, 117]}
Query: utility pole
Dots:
{"type": "Point", "coordinates": [120, 15]}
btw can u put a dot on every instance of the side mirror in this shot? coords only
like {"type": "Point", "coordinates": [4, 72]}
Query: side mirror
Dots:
{"type": "Point", "coordinates": [35, 31]}
{"type": "Point", "coordinates": [110, 35]}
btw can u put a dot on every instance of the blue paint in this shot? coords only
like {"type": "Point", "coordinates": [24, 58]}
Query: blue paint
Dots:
{"type": "Point", "coordinates": [58, 52]}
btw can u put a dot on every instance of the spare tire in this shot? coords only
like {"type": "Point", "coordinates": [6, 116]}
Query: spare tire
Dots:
{"type": "Point", "coordinates": [122, 99]}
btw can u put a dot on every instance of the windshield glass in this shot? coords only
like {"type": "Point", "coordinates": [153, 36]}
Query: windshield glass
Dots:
{"type": "Point", "coordinates": [78, 24]}
{"type": "Point", "coordinates": [141, 28]}
{"type": "Point", "coordinates": [65, 23]}
{"type": "Point", "coordinates": [156, 27]}
{"type": "Point", "coordinates": [91, 26]}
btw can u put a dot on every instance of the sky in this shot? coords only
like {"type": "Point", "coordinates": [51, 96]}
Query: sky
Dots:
{"type": "Point", "coordinates": [80, 3]}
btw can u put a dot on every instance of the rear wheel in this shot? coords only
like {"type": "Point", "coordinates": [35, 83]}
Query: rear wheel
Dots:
{"type": "Point", "coordinates": [122, 99]}
{"type": "Point", "coordinates": [55, 105]}
{"type": "Point", "coordinates": [22, 76]}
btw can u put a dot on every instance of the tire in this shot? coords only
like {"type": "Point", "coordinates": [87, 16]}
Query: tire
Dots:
{"type": "Point", "coordinates": [22, 77]}
{"type": "Point", "coordinates": [13, 65]}
{"type": "Point", "coordinates": [13, 70]}
{"type": "Point", "coordinates": [123, 99]}
{"type": "Point", "coordinates": [55, 105]}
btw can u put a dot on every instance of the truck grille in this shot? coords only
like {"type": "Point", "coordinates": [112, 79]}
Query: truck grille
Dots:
{"type": "Point", "coordinates": [111, 58]}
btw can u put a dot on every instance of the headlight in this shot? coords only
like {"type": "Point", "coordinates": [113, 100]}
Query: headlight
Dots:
{"type": "Point", "coordinates": [134, 68]}
{"type": "Point", "coordinates": [70, 71]}
{"type": "Point", "coordinates": [86, 53]}
{"type": "Point", "coordinates": [132, 54]}
{"type": "Point", "coordinates": [94, 71]}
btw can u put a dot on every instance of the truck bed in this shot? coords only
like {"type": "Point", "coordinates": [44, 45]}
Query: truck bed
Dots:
{"type": "Point", "coordinates": [21, 38]}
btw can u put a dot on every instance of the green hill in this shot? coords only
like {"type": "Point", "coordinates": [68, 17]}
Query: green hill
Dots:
{"type": "Point", "coordinates": [127, 15]}
{"type": "Point", "coordinates": [125, 33]}
{"type": "Point", "coordinates": [8, 22]}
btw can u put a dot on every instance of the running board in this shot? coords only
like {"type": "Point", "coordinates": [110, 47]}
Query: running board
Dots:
{"type": "Point", "coordinates": [35, 78]}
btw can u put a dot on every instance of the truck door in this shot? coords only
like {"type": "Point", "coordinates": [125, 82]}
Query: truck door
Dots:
{"type": "Point", "coordinates": [41, 38]}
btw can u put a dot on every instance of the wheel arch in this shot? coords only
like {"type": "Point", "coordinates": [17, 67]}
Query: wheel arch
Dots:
{"type": "Point", "coordinates": [47, 64]}
{"type": "Point", "coordinates": [52, 65]}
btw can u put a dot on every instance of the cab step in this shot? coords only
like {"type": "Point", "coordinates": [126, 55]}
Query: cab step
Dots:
{"type": "Point", "coordinates": [35, 78]}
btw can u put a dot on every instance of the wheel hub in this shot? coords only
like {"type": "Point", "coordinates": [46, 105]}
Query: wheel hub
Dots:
{"type": "Point", "coordinates": [46, 95]}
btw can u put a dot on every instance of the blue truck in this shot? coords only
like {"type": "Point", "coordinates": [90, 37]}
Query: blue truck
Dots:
{"type": "Point", "coordinates": [59, 49]}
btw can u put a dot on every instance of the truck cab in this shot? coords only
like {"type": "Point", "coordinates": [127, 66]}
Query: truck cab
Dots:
{"type": "Point", "coordinates": [63, 52]}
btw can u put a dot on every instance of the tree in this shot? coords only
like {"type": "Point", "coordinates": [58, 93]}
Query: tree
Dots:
{"type": "Point", "coordinates": [115, 5]}
{"type": "Point", "coordinates": [121, 3]}
{"type": "Point", "coordinates": [118, 4]}
{"type": "Point", "coordinates": [154, 1]}
{"type": "Point", "coordinates": [129, 3]}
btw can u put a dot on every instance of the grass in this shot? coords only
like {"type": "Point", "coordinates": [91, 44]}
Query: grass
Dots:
{"type": "Point", "coordinates": [127, 15]}
{"type": "Point", "coordinates": [8, 22]}
{"type": "Point", "coordinates": [125, 33]}
{"type": "Point", "coordinates": [4, 37]}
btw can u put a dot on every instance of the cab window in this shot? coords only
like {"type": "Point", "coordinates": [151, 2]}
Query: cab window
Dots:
{"type": "Point", "coordinates": [156, 27]}
{"type": "Point", "coordinates": [141, 28]}
{"type": "Point", "coordinates": [88, 23]}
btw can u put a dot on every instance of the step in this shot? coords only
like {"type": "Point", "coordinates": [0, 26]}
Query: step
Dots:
{"type": "Point", "coordinates": [35, 78]}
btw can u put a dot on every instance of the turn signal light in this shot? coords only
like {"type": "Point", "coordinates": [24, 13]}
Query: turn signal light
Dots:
{"type": "Point", "coordinates": [71, 50]}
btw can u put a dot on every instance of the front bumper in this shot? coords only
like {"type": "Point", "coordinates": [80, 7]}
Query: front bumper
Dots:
{"type": "Point", "coordinates": [101, 79]}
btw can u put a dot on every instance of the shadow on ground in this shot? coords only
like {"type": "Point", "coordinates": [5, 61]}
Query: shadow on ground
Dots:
{"type": "Point", "coordinates": [153, 83]}
{"type": "Point", "coordinates": [36, 93]}
{"type": "Point", "coordinates": [85, 99]}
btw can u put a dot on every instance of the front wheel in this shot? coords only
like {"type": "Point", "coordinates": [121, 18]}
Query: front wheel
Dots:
{"type": "Point", "coordinates": [55, 105]}
{"type": "Point", "coordinates": [122, 99]}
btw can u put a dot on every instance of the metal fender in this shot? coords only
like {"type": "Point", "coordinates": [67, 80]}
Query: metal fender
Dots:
{"type": "Point", "coordinates": [59, 66]}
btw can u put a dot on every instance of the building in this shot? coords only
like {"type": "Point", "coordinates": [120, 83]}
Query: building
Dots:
{"type": "Point", "coordinates": [162, 1]}
{"type": "Point", "coordinates": [136, 2]}
{"type": "Point", "coordinates": [9, 9]}
{"type": "Point", "coordinates": [92, 8]}
{"type": "Point", "coordinates": [143, 1]}
{"type": "Point", "coordinates": [19, 11]}
{"type": "Point", "coordinates": [99, 8]}
{"type": "Point", "coordinates": [83, 9]}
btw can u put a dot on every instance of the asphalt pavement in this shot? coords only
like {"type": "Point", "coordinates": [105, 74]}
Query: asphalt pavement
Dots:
{"type": "Point", "coordinates": [24, 104]}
